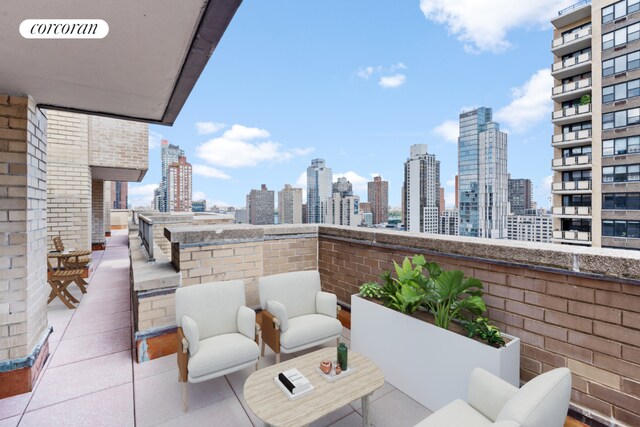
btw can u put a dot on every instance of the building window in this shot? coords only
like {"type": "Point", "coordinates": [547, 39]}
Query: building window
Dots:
{"type": "Point", "coordinates": [575, 127]}
{"type": "Point", "coordinates": [615, 147]}
{"type": "Point", "coordinates": [625, 201]}
{"type": "Point", "coordinates": [576, 151]}
{"type": "Point", "coordinates": [621, 64]}
{"type": "Point", "coordinates": [619, 9]}
{"type": "Point", "coordinates": [620, 91]}
{"type": "Point", "coordinates": [579, 175]}
{"type": "Point", "coordinates": [615, 228]}
{"type": "Point", "coordinates": [576, 200]}
{"type": "Point", "coordinates": [573, 224]}
{"type": "Point", "coordinates": [623, 173]}
{"type": "Point", "coordinates": [621, 36]}
{"type": "Point", "coordinates": [621, 119]}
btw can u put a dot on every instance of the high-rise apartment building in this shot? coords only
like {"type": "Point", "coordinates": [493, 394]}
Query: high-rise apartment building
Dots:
{"type": "Point", "coordinates": [319, 190]}
{"type": "Point", "coordinates": [378, 197]}
{"type": "Point", "coordinates": [596, 140]}
{"type": "Point", "coordinates": [343, 207]}
{"type": "Point", "coordinates": [449, 222]}
{"type": "Point", "coordinates": [119, 194]}
{"type": "Point", "coordinates": [199, 206]}
{"type": "Point", "coordinates": [421, 191]}
{"type": "Point", "coordinates": [290, 205]}
{"type": "Point", "coordinates": [530, 228]}
{"type": "Point", "coordinates": [520, 195]}
{"type": "Point", "coordinates": [482, 171]}
{"type": "Point", "coordinates": [260, 206]}
{"type": "Point", "coordinates": [179, 186]}
{"type": "Point", "coordinates": [441, 203]}
{"type": "Point", "coordinates": [169, 154]}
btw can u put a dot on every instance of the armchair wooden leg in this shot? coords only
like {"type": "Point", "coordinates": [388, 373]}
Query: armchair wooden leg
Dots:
{"type": "Point", "coordinates": [262, 349]}
{"type": "Point", "coordinates": [278, 357]}
{"type": "Point", "coordinates": [185, 396]}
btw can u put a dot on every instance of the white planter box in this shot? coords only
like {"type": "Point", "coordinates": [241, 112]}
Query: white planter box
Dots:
{"type": "Point", "coordinates": [427, 363]}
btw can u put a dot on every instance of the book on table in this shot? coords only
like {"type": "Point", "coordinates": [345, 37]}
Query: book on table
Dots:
{"type": "Point", "coordinates": [294, 381]}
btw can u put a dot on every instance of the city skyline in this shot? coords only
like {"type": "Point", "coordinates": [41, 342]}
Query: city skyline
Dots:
{"type": "Point", "coordinates": [368, 96]}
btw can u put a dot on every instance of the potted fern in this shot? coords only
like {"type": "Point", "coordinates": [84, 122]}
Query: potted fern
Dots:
{"type": "Point", "coordinates": [416, 324]}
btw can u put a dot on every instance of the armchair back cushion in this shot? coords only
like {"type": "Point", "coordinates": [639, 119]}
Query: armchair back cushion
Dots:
{"type": "Point", "coordinates": [213, 306]}
{"type": "Point", "coordinates": [296, 290]}
{"type": "Point", "coordinates": [543, 401]}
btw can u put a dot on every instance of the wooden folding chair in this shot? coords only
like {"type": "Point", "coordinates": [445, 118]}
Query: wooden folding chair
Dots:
{"type": "Point", "coordinates": [59, 280]}
{"type": "Point", "coordinates": [71, 260]}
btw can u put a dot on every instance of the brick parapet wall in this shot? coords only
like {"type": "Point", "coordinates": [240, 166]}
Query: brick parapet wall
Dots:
{"type": "Point", "coordinates": [118, 143]}
{"type": "Point", "coordinates": [587, 323]}
{"type": "Point", "coordinates": [97, 213]}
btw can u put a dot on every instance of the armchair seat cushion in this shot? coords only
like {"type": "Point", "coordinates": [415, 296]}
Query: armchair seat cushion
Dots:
{"type": "Point", "coordinates": [456, 414]}
{"type": "Point", "coordinates": [221, 352]}
{"type": "Point", "coordinates": [308, 330]}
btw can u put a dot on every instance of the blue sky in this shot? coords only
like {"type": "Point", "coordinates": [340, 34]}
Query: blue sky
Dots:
{"type": "Point", "coordinates": [356, 83]}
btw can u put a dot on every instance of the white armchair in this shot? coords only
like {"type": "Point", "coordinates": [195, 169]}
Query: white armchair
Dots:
{"type": "Point", "coordinates": [543, 401]}
{"type": "Point", "coordinates": [217, 333]}
{"type": "Point", "coordinates": [296, 313]}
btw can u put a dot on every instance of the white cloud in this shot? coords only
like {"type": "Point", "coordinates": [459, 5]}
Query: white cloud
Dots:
{"type": "Point", "coordinates": [205, 128]}
{"type": "Point", "coordinates": [199, 195]}
{"type": "Point", "coordinates": [449, 199]}
{"type": "Point", "coordinates": [546, 184]}
{"type": "Point", "coordinates": [154, 139]}
{"type": "Point", "coordinates": [482, 25]}
{"type": "Point", "coordinates": [394, 81]}
{"type": "Point", "coordinates": [237, 148]}
{"type": "Point", "coordinates": [141, 195]}
{"type": "Point", "coordinates": [209, 172]}
{"type": "Point", "coordinates": [301, 182]}
{"type": "Point", "coordinates": [365, 73]}
{"type": "Point", "coordinates": [449, 130]}
{"type": "Point", "coordinates": [531, 103]}
{"type": "Point", "coordinates": [451, 182]}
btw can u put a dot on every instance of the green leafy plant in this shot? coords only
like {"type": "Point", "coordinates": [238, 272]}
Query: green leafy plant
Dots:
{"type": "Point", "coordinates": [370, 290]}
{"type": "Point", "coordinates": [449, 296]}
{"type": "Point", "coordinates": [585, 99]}
{"type": "Point", "coordinates": [481, 328]}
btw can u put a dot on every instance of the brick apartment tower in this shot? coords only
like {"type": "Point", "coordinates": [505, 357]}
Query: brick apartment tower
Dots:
{"type": "Point", "coordinates": [260, 206]}
{"type": "Point", "coordinates": [179, 186]}
{"type": "Point", "coordinates": [378, 196]}
{"type": "Point", "coordinates": [119, 194]}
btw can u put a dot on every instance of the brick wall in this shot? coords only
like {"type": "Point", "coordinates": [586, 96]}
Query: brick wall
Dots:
{"type": "Point", "coordinates": [23, 169]}
{"type": "Point", "coordinates": [590, 325]}
{"type": "Point", "coordinates": [68, 180]}
{"type": "Point", "coordinates": [106, 205]}
{"type": "Point", "coordinates": [118, 143]}
{"type": "Point", "coordinates": [156, 312]}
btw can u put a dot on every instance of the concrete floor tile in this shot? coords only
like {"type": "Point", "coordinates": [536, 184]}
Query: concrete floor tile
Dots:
{"type": "Point", "coordinates": [104, 295]}
{"type": "Point", "coordinates": [333, 417]}
{"type": "Point", "coordinates": [87, 347]}
{"type": "Point", "coordinates": [14, 405]}
{"type": "Point", "coordinates": [88, 309]}
{"type": "Point", "coordinates": [385, 389]}
{"type": "Point", "coordinates": [396, 409]}
{"type": "Point", "coordinates": [78, 379]}
{"type": "Point", "coordinates": [237, 380]}
{"type": "Point", "coordinates": [110, 407]}
{"type": "Point", "coordinates": [155, 367]}
{"type": "Point", "coordinates": [10, 422]}
{"type": "Point", "coordinates": [227, 412]}
{"type": "Point", "coordinates": [99, 323]}
{"type": "Point", "coordinates": [352, 420]}
{"type": "Point", "coordinates": [159, 398]}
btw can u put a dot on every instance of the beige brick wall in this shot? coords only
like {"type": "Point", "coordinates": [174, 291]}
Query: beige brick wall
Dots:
{"type": "Point", "coordinates": [106, 215]}
{"type": "Point", "coordinates": [68, 180]}
{"type": "Point", "coordinates": [23, 169]}
{"type": "Point", "coordinates": [118, 143]}
{"type": "Point", "coordinates": [156, 312]}
{"type": "Point", "coordinates": [97, 212]}
{"type": "Point", "coordinates": [286, 255]}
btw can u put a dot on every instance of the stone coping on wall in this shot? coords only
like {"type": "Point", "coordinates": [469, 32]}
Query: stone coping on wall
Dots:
{"type": "Point", "coordinates": [614, 263]}
{"type": "Point", "coordinates": [147, 275]}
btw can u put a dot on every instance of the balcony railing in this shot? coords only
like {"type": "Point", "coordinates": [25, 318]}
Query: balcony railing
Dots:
{"type": "Point", "coordinates": [572, 65]}
{"type": "Point", "coordinates": [573, 7]}
{"type": "Point", "coordinates": [571, 162]}
{"type": "Point", "coordinates": [145, 232]}
{"type": "Point", "coordinates": [572, 210]}
{"type": "Point", "coordinates": [571, 42]}
{"type": "Point", "coordinates": [572, 138]}
{"type": "Point", "coordinates": [572, 186]}
{"type": "Point", "coordinates": [571, 114]}
{"type": "Point", "coordinates": [577, 236]}
{"type": "Point", "coordinates": [572, 88]}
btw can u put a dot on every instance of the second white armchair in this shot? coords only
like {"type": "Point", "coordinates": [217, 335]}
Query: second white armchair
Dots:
{"type": "Point", "coordinates": [296, 313]}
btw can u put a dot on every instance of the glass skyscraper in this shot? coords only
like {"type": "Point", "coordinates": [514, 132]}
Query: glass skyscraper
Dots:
{"type": "Point", "coordinates": [319, 189]}
{"type": "Point", "coordinates": [483, 178]}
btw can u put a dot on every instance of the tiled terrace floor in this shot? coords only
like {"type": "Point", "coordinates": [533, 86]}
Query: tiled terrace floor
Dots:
{"type": "Point", "coordinates": [91, 378]}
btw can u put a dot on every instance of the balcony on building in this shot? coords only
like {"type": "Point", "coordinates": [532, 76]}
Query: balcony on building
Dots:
{"type": "Point", "coordinates": [575, 114]}
{"type": "Point", "coordinates": [571, 66]}
{"type": "Point", "coordinates": [571, 139]}
{"type": "Point", "coordinates": [571, 90]}
{"type": "Point", "coordinates": [571, 236]}
{"type": "Point", "coordinates": [571, 162]}
{"type": "Point", "coordinates": [571, 42]}
{"type": "Point", "coordinates": [571, 187]}
{"type": "Point", "coordinates": [572, 211]}
{"type": "Point", "coordinates": [574, 13]}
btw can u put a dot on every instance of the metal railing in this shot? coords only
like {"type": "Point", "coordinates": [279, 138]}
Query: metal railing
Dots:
{"type": "Point", "coordinates": [573, 7]}
{"type": "Point", "coordinates": [145, 232]}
